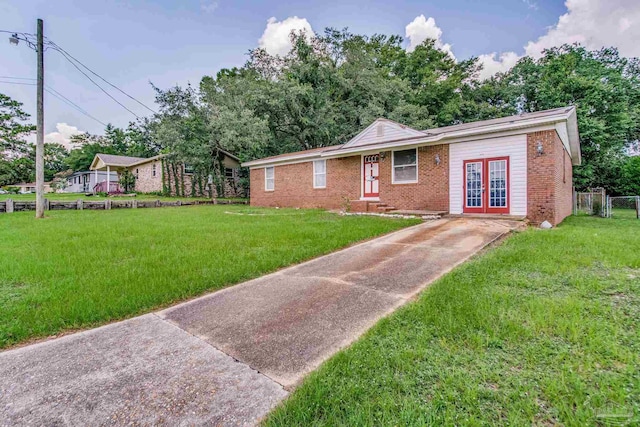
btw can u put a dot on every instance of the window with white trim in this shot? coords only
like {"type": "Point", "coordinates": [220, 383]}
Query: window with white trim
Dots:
{"type": "Point", "coordinates": [319, 174]}
{"type": "Point", "coordinates": [269, 178]}
{"type": "Point", "coordinates": [153, 169]}
{"type": "Point", "coordinates": [405, 166]}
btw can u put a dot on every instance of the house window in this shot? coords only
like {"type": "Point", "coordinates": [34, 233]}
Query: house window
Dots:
{"type": "Point", "coordinates": [153, 170]}
{"type": "Point", "coordinates": [137, 173]}
{"type": "Point", "coordinates": [405, 166]}
{"type": "Point", "coordinates": [320, 174]}
{"type": "Point", "coordinates": [269, 179]}
{"type": "Point", "coordinates": [188, 169]}
{"type": "Point", "coordinates": [228, 173]}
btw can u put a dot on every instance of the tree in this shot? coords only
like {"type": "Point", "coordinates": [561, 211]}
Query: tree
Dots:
{"type": "Point", "coordinates": [80, 159]}
{"type": "Point", "coordinates": [55, 156]}
{"type": "Point", "coordinates": [604, 87]}
{"type": "Point", "coordinates": [630, 177]}
{"type": "Point", "coordinates": [127, 181]}
{"type": "Point", "coordinates": [13, 130]}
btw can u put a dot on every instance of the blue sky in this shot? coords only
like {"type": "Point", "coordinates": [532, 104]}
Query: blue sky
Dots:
{"type": "Point", "coordinates": [174, 42]}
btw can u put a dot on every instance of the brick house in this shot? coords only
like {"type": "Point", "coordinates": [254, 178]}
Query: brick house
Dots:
{"type": "Point", "coordinates": [153, 174]}
{"type": "Point", "coordinates": [518, 166]}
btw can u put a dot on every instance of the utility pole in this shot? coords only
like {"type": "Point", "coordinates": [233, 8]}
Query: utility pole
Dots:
{"type": "Point", "coordinates": [40, 125]}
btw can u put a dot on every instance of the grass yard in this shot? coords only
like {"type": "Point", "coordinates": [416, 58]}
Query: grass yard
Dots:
{"type": "Point", "coordinates": [62, 197]}
{"type": "Point", "coordinates": [77, 269]}
{"type": "Point", "coordinates": [542, 330]}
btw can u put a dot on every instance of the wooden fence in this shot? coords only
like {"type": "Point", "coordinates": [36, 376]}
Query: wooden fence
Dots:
{"type": "Point", "coordinates": [9, 206]}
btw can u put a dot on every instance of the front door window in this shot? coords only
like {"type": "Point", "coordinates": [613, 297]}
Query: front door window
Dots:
{"type": "Point", "coordinates": [370, 175]}
{"type": "Point", "coordinates": [497, 184]}
{"type": "Point", "coordinates": [474, 186]}
{"type": "Point", "coordinates": [486, 185]}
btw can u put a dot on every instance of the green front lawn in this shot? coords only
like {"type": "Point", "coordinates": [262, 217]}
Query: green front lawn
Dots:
{"type": "Point", "coordinates": [64, 197]}
{"type": "Point", "coordinates": [542, 330]}
{"type": "Point", "coordinates": [77, 269]}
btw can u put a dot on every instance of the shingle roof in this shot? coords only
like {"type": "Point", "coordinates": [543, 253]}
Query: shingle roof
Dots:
{"type": "Point", "coordinates": [113, 160]}
{"type": "Point", "coordinates": [304, 152]}
{"type": "Point", "coordinates": [501, 120]}
{"type": "Point", "coordinates": [519, 121]}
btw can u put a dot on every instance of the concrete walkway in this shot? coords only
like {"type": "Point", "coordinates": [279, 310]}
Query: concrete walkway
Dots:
{"type": "Point", "coordinates": [229, 357]}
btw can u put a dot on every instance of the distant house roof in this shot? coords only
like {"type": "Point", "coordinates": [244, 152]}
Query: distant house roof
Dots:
{"type": "Point", "coordinates": [384, 134]}
{"type": "Point", "coordinates": [82, 173]}
{"type": "Point", "coordinates": [28, 184]}
{"type": "Point", "coordinates": [101, 161]}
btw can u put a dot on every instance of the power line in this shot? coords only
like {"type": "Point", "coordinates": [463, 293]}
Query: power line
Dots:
{"type": "Point", "coordinates": [63, 98]}
{"type": "Point", "coordinates": [64, 52]}
{"type": "Point", "coordinates": [55, 94]}
{"type": "Point", "coordinates": [17, 78]}
{"type": "Point", "coordinates": [99, 87]}
{"type": "Point", "coordinates": [19, 83]}
{"type": "Point", "coordinates": [74, 61]}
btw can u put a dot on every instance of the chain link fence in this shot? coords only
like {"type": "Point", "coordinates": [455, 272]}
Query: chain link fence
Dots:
{"type": "Point", "coordinates": [592, 202]}
{"type": "Point", "coordinates": [624, 207]}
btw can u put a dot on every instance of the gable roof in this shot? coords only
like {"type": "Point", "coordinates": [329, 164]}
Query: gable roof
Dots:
{"type": "Point", "coordinates": [563, 120]}
{"type": "Point", "coordinates": [382, 130]}
{"type": "Point", "coordinates": [102, 160]}
{"type": "Point", "coordinates": [113, 160]}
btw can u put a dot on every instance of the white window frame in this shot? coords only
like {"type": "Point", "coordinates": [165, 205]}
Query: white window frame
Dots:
{"type": "Point", "coordinates": [267, 179]}
{"type": "Point", "coordinates": [393, 167]}
{"type": "Point", "coordinates": [315, 174]}
{"type": "Point", "coordinates": [153, 169]}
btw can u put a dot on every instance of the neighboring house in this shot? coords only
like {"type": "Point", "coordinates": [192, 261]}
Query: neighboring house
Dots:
{"type": "Point", "coordinates": [520, 165]}
{"type": "Point", "coordinates": [84, 182]}
{"type": "Point", "coordinates": [154, 174]}
{"type": "Point", "coordinates": [30, 187]}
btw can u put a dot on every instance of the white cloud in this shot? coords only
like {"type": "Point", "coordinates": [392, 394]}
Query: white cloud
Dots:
{"type": "Point", "coordinates": [63, 135]}
{"type": "Point", "coordinates": [208, 6]}
{"type": "Point", "coordinates": [421, 29]}
{"type": "Point", "coordinates": [492, 65]}
{"type": "Point", "coordinates": [592, 23]}
{"type": "Point", "coordinates": [276, 37]}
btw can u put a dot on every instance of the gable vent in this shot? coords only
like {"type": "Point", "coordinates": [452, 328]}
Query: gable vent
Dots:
{"type": "Point", "coordinates": [380, 130]}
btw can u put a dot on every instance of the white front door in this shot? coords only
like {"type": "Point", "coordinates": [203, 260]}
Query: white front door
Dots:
{"type": "Point", "coordinates": [370, 174]}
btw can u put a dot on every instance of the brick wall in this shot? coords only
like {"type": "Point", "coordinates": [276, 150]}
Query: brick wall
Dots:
{"type": "Point", "coordinates": [431, 192]}
{"type": "Point", "coordinates": [145, 181]}
{"type": "Point", "coordinates": [563, 183]}
{"type": "Point", "coordinates": [549, 179]}
{"type": "Point", "coordinates": [294, 185]}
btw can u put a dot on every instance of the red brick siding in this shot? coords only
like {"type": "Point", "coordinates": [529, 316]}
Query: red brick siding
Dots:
{"type": "Point", "coordinates": [549, 181]}
{"type": "Point", "coordinates": [293, 185]}
{"type": "Point", "coordinates": [563, 183]}
{"type": "Point", "coordinates": [432, 189]}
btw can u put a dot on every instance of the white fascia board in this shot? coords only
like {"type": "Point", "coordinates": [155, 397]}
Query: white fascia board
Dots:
{"type": "Point", "coordinates": [259, 164]}
{"type": "Point", "coordinates": [459, 136]}
{"type": "Point", "coordinates": [483, 132]}
{"type": "Point", "coordinates": [143, 161]}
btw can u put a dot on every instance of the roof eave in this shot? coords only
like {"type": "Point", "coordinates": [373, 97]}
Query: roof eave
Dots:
{"type": "Point", "coordinates": [568, 117]}
{"type": "Point", "coordinates": [287, 159]}
{"type": "Point", "coordinates": [448, 136]}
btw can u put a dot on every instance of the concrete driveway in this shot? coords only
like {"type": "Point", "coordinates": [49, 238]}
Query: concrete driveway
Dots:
{"type": "Point", "coordinates": [227, 358]}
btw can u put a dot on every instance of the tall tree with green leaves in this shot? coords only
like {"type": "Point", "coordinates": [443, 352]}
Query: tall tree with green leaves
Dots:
{"type": "Point", "coordinates": [13, 127]}
{"type": "Point", "coordinates": [604, 87]}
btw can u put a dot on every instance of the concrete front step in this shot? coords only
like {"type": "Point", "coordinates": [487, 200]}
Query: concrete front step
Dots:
{"type": "Point", "coordinates": [385, 209]}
